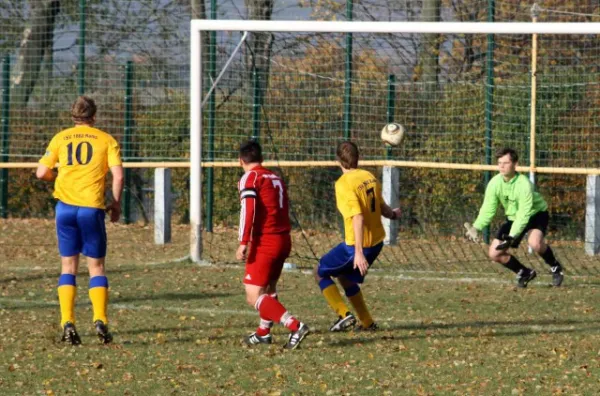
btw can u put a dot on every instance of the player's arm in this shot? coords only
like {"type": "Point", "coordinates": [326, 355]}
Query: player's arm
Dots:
{"type": "Point", "coordinates": [524, 196]}
{"type": "Point", "coordinates": [488, 208]}
{"type": "Point", "coordinates": [118, 181]}
{"type": "Point", "coordinates": [388, 212]}
{"type": "Point", "coordinates": [360, 261]}
{"type": "Point", "coordinates": [349, 206]}
{"type": "Point", "coordinates": [47, 162]}
{"type": "Point", "coordinates": [248, 196]}
{"type": "Point", "coordinates": [45, 173]}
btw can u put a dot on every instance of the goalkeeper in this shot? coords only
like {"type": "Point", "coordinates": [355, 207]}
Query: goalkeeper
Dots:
{"type": "Point", "coordinates": [526, 212]}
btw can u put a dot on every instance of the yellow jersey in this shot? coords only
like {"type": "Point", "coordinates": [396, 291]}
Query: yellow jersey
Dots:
{"type": "Point", "coordinates": [356, 192]}
{"type": "Point", "coordinates": [84, 156]}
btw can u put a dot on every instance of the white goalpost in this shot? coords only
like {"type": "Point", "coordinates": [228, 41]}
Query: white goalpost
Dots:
{"type": "Point", "coordinates": [197, 100]}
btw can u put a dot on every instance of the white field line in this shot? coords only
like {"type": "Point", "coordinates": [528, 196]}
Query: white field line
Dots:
{"type": "Point", "coordinates": [82, 265]}
{"type": "Point", "coordinates": [490, 278]}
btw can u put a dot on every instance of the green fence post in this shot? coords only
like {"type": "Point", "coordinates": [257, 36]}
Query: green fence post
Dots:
{"type": "Point", "coordinates": [5, 121]}
{"type": "Point", "coordinates": [81, 66]}
{"type": "Point", "coordinates": [391, 107]}
{"type": "Point", "coordinates": [212, 60]}
{"type": "Point", "coordinates": [348, 77]}
{"type": "Point", "coordinates": [127, 140]}
{"type": "Point", "coordinates": [489, 104]}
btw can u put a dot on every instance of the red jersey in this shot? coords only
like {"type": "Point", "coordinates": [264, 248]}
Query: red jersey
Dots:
{"type": "Point", "coordinates": [265, 206]}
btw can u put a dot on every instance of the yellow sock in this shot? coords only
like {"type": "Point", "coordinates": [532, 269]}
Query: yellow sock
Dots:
{"type": "Point", "coordinates": [335, 301]}
{"type": "Point", "coordinates": [66, 298]}
{"type": "Point", "coordinates": [99, 297]}
{"type": "Point", "coordinates": [358, 302]}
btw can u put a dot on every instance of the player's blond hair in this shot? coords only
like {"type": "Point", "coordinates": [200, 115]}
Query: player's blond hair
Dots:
{"type": "Point", "coordinates": [83, 110]}
{"type": "Point", "coordinates": [347, 153]}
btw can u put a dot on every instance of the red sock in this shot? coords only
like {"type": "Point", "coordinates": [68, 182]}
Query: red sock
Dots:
{"type": "Point", "coordinates": [264, 328]}
{"type": "Point", "coordinates": [265, 324]}
{"type": "Point", "coordinates": [271, 309]}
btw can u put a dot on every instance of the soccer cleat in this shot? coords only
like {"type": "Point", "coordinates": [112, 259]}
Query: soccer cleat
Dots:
{"type": "Point", "coordinates": [70, 335]}
{"type": "Point", "coordinates": [557, 275]}
{"type": "Point", "coordinates": [102, 331]}
{"type": "Point", "coordinates": [343, 324]}
{"type": "Point", "coordinates": [525, 276]}
{"type": "Point", "coordinates": [254, 339]}
{"type": "Point", "coordinates": [360, 328]}
{"type": "Point", "coordinates": [297, 336]}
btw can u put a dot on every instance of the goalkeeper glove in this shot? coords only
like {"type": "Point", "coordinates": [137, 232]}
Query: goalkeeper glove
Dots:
{"type": "Point", "coordinates": [507, 242]}
{"type": "Point", "coordinates": [471, 234]}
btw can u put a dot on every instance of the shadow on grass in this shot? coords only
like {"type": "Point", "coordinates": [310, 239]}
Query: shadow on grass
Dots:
{"type": "Point", "coordinates": [469, 330]}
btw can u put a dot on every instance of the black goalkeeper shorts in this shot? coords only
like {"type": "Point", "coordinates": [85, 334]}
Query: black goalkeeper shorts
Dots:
{"type": "Point", "coordinates": [538, 221]}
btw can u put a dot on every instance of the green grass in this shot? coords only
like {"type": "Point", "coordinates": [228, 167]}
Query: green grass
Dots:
{"type": "Point", "coordinates": [178, 330]}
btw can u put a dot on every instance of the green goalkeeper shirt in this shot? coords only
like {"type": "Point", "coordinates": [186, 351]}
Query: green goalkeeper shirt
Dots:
{"type": "Point", "coordinates": [518, 199]}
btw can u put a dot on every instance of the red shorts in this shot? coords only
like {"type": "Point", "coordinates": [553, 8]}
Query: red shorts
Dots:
{"type": "Point", "coordinates": [266, 257]}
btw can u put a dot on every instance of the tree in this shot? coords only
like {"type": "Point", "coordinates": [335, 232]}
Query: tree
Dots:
{"type": "Point", "coordinates": [36, 43]}
{"type": "Point", "coordinates": [258, 55]}
{"type": "Point", "coordinates": [429, 56]}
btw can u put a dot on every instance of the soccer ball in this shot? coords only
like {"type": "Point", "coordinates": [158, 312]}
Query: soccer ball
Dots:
{"type": "Point", "coordinates": [392, 134]}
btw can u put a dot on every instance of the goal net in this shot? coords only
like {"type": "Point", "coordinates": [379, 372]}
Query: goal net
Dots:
{"type": "Point", "coordinates": [461, 90]}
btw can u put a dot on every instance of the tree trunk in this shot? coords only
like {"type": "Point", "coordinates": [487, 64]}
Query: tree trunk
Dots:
{"type": "Point", "coordinates": [258, 57]}
{"type": "Point", "coordinates": [199, 12]}
{"type": "Point", "coordinates": [37, 43]}
{"type": "Point", "coordinates": [430, 51]}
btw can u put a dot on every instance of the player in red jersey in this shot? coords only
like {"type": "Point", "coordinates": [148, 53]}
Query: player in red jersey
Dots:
{"type": "Point", "coordinates": [265, 243]}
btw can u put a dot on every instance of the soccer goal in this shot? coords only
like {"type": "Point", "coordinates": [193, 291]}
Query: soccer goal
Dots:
{"type": "Point", "coordinates": [461, 91]}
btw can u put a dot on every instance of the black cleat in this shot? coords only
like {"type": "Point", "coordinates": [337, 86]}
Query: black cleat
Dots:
{"type": "Point", "coordinates": [343, 324]}
{"type": "Point", "coordinates": [360, 328]}
{"type": "Point", "coordinates": [557, 275]}
{"type": "Point", "coordinates": [296, 337]}
{"type": "Point", "coordinates": [525, 276]}
{"type": "Point", "coordinates": [255, 339]}
{"type": "Point", "coordinates": [102, 331]}
{"type": "Point", "coordinates": [70, 335]}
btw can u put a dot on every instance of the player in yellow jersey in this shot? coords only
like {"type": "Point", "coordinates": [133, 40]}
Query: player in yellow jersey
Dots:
{"type": "Point", "coordinates": [83, 156]}
{"type": "Point", "coordinates": [358, 198]}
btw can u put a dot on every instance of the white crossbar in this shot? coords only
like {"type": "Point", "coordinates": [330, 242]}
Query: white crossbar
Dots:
{"type": "Point", "coordinates": [398, 27]}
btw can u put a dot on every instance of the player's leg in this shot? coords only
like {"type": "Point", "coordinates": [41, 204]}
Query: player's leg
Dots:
{"type": "Point", "coordinates": [262, 335]}
{"type": "Point", "coordinates": [271, 309]}
{"type": "Point", "coordinates": [69, 247]}
{"type": "Point", "coordinates": [351, 281]}
{"type": "Point", "coordinates": [91, 222]}
{"type": "Point", "coordinates": [263, 269]}
{"type": "Point", "coordinates": [355, 296]}
{"type": "Point", "coordinates": [67, 292]}
{"type": "Point", "coordinates": [524, 274]}
{"type": "Point", "coordinates": [265, 325]}
{"type": "Point", "coordinates": [539, 224]}
{"type": "Point", "coordinates": [332, 265]}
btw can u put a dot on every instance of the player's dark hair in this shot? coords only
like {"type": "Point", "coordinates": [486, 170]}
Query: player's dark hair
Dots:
{"type": "Point", "coordinates": [347, 153]}
{"type": "Point", "coordinates": [514, 157]}
{"type": "Point", "coordinates": [251, 152]}
{"type": "Point", "coordinates": [83, 110]}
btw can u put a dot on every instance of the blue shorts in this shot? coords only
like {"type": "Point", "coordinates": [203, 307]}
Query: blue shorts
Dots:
{"type": "Point", "coordinates": [340, 261]}
{"type": "Point", "coordinates": [80, 230]}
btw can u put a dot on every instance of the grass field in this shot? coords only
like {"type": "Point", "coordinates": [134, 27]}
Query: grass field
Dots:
{"type": "Point", "coordinates": [178, 329]}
